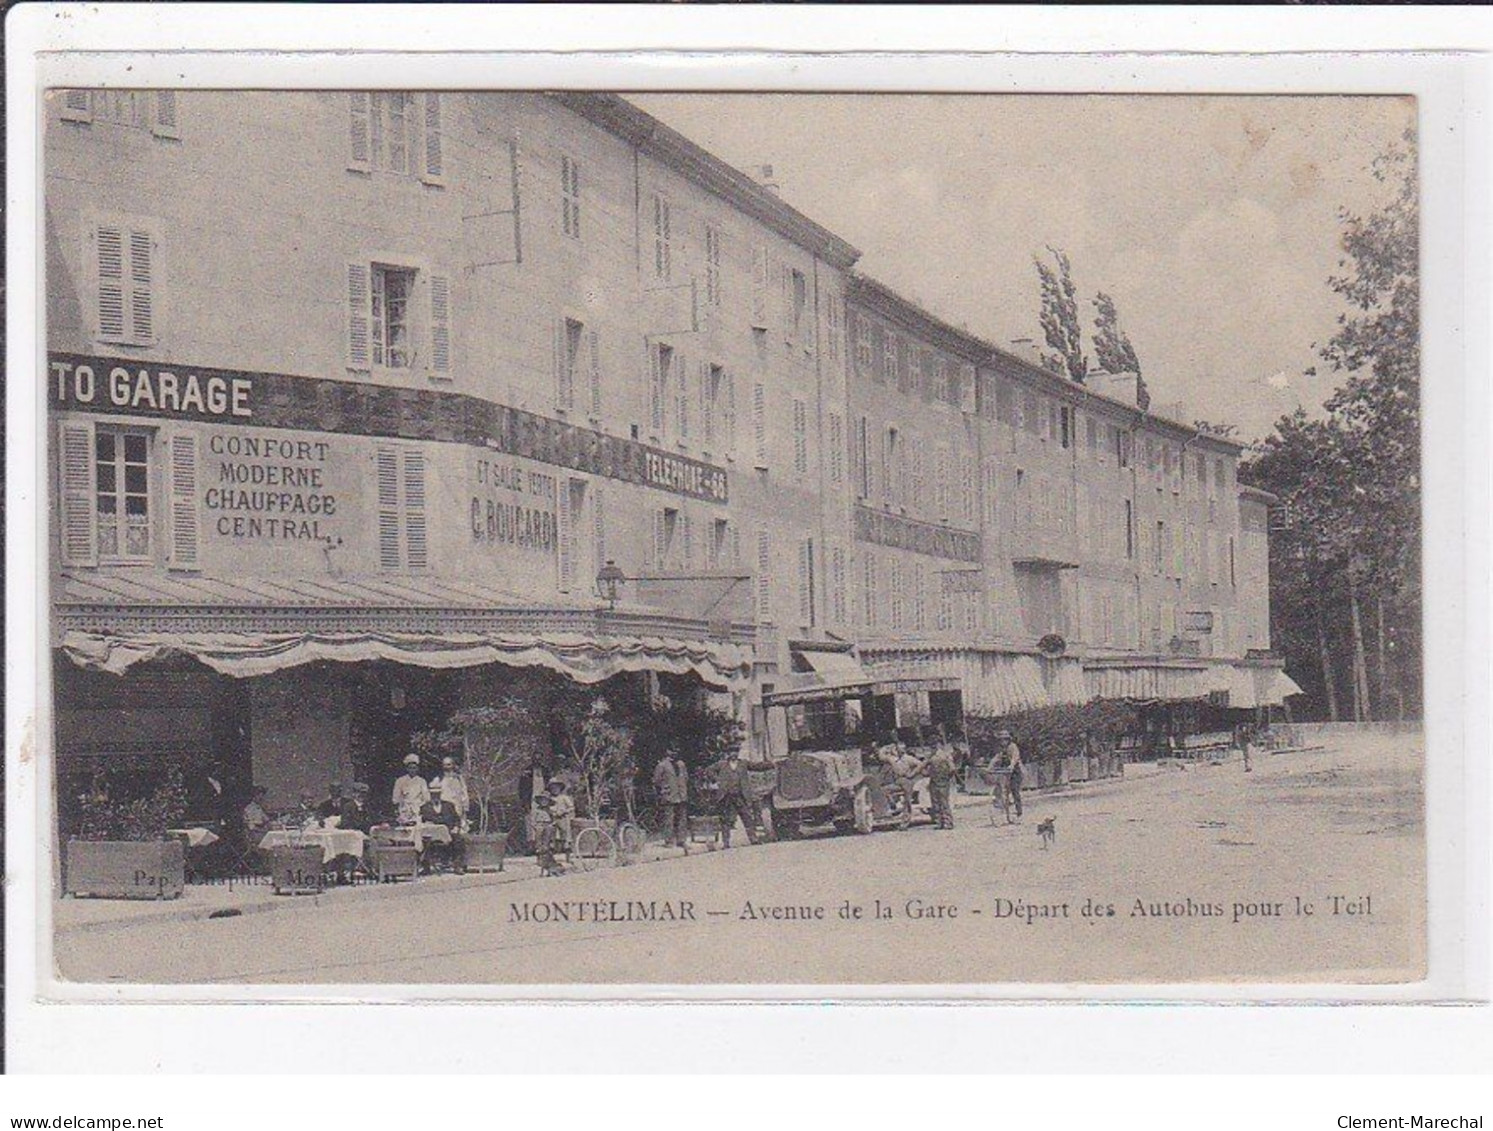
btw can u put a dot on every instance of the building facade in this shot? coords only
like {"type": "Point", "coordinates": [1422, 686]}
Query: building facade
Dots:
{"type": "Point", "coordinates": [353, 396]}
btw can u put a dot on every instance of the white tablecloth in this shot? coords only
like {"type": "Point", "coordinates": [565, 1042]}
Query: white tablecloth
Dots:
{"type": "Point", "coordinates": [194, 837]}
{"type": "Point", "coordinates": [418, 835]}
{"type": "Point", "coordinates": [332, 842]}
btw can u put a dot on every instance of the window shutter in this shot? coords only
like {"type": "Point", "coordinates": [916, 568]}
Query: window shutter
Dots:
{"type": "Point", "coordinates": [687, 540]}
{"type": "Point", "coordinates": [165, 114]}
{"type": "Point", "coordinates": [564, 375]}
{"type": "Point", "coordinates": [566, 522]}
{"type": "Point", "coordinates": [79, 517]}
{"type": "Point", "coordinates": [440, 325]}
{"type": "Point", "coordinates": [110, 260]}
{"type": "Point", "coordinates": [181, 509]}
{"type": "Point", "coordinates": [682, 394]}
{"type": "Point", "coordinates": [599, 522]}
{"type": "Point", "coordinates": [836, 448]}
{"type": "Point", "coordinates": [416, 550]}
{"type": "Point", "coordinates": [655, 392]}
{"type": "Point", "coordinates": [388, 508]}
{"type": "Point", "coordinates": [359, 152]}
{"type": "Point", "coordinates": [434, 163]}
{"type": "Point", "coordinates": [660, 541]}
{"type": "Point", "coordinates": [707, 407]}
{"type": "Point", "coordinates": [729, 380]}
{"type": "Point", "coordinates": [759, 288]}
{"type": "Point", "coordinates": [759, 424]}
{"type": "Point", "coordinates": [142, 288]}
{"type": "Point", "coordinates": [764, 575]}
{"type": "Point", "coordinates": [838, 581]}
{"type": "Point", "coordinates": [800, 438]}
{"type": "Point", "coordinates": [359, 285]}
{"type": "Point", "coordinates": [806, 582]}
{"type": "Point", "coordinates": [593, 354]}
{"type": "Point", "coordinates": [77, 106]}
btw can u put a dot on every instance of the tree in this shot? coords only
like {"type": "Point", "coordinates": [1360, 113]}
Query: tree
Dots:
{"type": "Point", "coordinates": [495, 741]}
{"type": "Point", "coordinates": [599, 753]}
{"type": "Point", "coordinates": [1059, 317]}
{"type": "Point", "coordinates": [1349, 539]}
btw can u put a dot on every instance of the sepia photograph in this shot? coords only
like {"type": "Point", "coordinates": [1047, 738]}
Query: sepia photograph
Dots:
{"type": "Point", "coordinates": [545, 538]}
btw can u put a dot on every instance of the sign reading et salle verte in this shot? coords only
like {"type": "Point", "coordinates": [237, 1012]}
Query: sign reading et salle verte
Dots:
{"type": "Point", "coordinates": [124, 386]}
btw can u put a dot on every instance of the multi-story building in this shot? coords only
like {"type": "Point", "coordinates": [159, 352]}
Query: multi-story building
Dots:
{"type": "Point", "coordinates": [355, 395]}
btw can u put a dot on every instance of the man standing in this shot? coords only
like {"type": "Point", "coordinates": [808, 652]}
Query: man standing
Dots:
{"type": "Point", "coordinates": [411, 794]}
{"type": "Point", "coordinates": [738, 799]}
{"type": "Point", "coordinates": [454, 790]}
{"type": "Point", "coordinates": [1013, 763]}
{"type": "Point", "coordinates": [941, 770]}
{"type": "Point", "coordinates": [671, 780]}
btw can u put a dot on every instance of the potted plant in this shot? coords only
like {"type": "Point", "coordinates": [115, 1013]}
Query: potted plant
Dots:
{"type": "Point", "coordinates": [122, 849]}
{"type": "Point", "coordinates": [495, 742]}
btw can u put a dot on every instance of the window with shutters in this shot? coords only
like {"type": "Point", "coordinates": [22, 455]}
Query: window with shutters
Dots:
{"type": "Point", "coordinates": [391, 131]}
{"type": "Point", "coordinates": [570, 361]}
{"type": "Point", "coordinates": [127, 279]}
{"type": "Point", "coordinates": [836, 449]}
{"type": "Point", "coordinates": [660, 378]}
{"type": "Point", "coordinates": [712, 266]}
{"type": "Point", "coordinates": [891, 458]}
{"type": "Point", "coordinates": [392, 288]}
{"type": "Point", "coordinates": [398, 317]}
{"type": "Point", "coordinates": [400, 485]}
{"type": "Point", "coordinates": [832, 329]}
{"type": "Point", "coordinates": [719, 553]}
{"type": "Point", "coordinates": [570, 197]}
{"type": "Point", "coordinates": [889, 352]}
{"type": "Point", "coordinates": [663, 240]}
{"type": "Point", "coordinates": [122, 495]}
{"type": "Point", "coordinates": [152, 110]}
{"type": "Point", "coordinates": [800, 438]}
{"type": "Point", "coordinates": [864, 355]}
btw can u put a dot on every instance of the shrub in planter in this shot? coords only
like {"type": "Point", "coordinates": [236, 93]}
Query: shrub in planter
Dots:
{"type": "Point", "coordinates": [1048, 736]}
{"type": "Point", "coordinates": [121, 848]}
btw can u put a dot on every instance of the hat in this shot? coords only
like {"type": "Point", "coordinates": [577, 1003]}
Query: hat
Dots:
{"type": "Point", "coordinates": [553, 782]}
{"type": "Point", "coordinates": [412, 759]}
{"type": "Point", "coordinates": [448, 761]}
{"type": "Point", "coordinates": [360, 787]}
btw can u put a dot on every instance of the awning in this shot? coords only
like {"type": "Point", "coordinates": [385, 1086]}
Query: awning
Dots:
{"type": "Point", "coordinates": [1146, 682]}
{"type": "Point", "coordinates": [254, 626]}
{"type": "Point", "coordinates": [1273, 686]}
{"type": "Point", "coordinates": [994, 683]}
{"type": "Point", "coordinates": [856, 690]}
{"type": "Point", "coordinates": [834, 667]}
{"type": "Point", "coordinates": [584, 659]}
{"type": "Point", "coordinates": [1238, 683]}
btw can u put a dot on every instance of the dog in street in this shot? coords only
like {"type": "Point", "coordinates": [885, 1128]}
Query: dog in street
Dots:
{"type": "Point", "coordinates": [1048, 831]}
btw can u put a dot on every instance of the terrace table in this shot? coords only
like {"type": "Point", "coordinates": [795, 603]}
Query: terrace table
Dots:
{"type": "Point", "coordinates": [332, 842]}
{"type": "Point", "coordinates": [417, 835]}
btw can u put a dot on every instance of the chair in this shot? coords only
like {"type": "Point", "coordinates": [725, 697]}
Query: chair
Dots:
{"type": "Point", "coordinates": [394, 861]}
{"type": "Point", "coordinates": [297, 870]}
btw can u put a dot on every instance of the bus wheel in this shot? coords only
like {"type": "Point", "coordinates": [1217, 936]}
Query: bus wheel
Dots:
{"type": "Point", "coordinates": [865, 816]}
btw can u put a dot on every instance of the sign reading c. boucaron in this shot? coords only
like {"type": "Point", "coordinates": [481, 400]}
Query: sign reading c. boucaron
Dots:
{"type": "Point", "coordinates": [125, 386]}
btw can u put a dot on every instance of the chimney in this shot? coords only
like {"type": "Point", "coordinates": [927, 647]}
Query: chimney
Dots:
{"type": "Point", "coordinates": [1122, 386]}
{"type": "Point", "coordinates": [767, 180]}
{"type": "Point", "coordinates": [1026, 349]}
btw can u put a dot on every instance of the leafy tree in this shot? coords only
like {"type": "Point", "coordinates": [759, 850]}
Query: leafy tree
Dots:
{"type": "Point", "coordinates": [1059, 317]}
{"type": "Point", "coordinates": [1347, 547]}
{"type": "Point", "coordinates": [1112, 348]}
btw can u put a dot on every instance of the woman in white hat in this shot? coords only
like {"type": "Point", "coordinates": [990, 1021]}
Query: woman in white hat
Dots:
{"type": "Point", "coordinates": [411, 794]}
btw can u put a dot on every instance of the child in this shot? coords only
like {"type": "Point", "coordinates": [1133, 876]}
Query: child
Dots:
{"type": "Point", "coordinates": [545, 837]}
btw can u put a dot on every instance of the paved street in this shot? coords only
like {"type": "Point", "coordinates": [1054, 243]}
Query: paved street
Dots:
{"type": "Point", "coordinates": [1202, 867]}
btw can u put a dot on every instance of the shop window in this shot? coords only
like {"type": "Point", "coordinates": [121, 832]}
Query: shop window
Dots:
{"type": "Point", "coordinates": [570, 197]}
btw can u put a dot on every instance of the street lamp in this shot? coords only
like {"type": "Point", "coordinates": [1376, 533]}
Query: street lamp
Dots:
{"type": "Point", "coordinates": [608, 578]}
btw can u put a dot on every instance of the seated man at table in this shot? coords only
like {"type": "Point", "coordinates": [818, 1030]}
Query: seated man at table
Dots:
{"type": "Point", "coordinates": [411, 793]}
{"type": "Point", "coordinates": [332, 806]}
{"type": "Point", "coordinates": [255, 817]}
{"type": "Point", "coordinates": [353, 808]}
{"type": "Point", "coordinates": [438, 811]}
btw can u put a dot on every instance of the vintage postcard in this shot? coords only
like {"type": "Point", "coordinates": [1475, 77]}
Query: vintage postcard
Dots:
{"type": "Point", "coordinates": [560, 537]}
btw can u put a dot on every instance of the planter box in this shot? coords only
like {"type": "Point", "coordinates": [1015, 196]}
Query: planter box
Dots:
{"type": "Point", "coordinates": [126, 869]}
{"type": "Point", "coordinates": [1076, 767]}
{"type": "Point", "coordinates": [486, 851]}
{"type": "Point", "coordinates": [296, 871]}
{"type": "Point", "coordinates": [395, 862]}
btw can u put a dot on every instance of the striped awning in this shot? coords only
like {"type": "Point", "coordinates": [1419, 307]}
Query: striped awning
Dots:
{"type": "Point", "coordinates": [1146, 682]}
{"type": "Point", "coordinates": [993, 683]}
{"type": "Point", "coordinates": [255, 626]}
{"type": "Point", "coordinates": [1273, 686]}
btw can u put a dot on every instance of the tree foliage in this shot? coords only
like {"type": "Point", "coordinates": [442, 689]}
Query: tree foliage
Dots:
{"type": "Point", "coordinates": [1059, 316]}
{"type": "Point", "coordinates": [1347, 535]}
